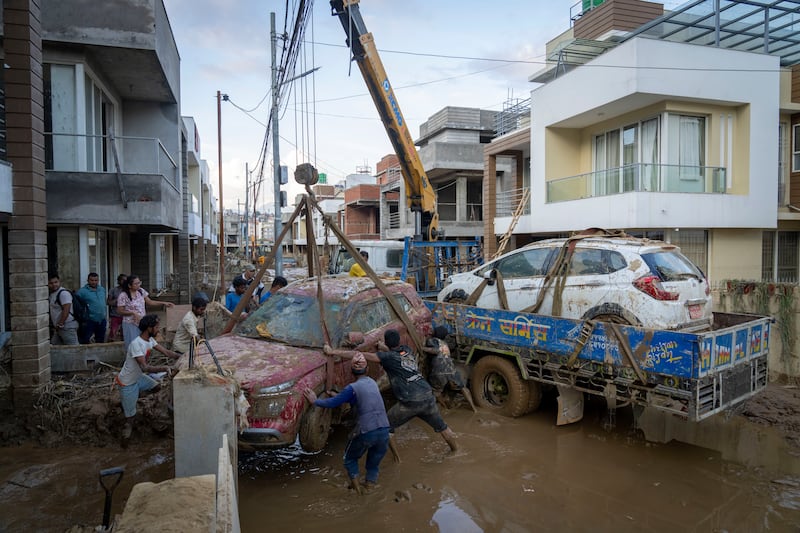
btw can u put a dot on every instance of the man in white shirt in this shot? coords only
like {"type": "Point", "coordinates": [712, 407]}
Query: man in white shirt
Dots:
{"type": "Point", "coordinates": [187, 329]}
{"type": "Point", "coordinates": [133, 377]}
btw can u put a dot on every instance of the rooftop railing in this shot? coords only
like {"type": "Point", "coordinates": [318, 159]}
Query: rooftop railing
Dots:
{"type": "Point", "coordinates": [639, 177]}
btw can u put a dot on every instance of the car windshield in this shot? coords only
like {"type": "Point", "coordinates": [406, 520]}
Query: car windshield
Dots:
{"type": "Point", "coordinates": [671, 266]}
{"type": "Point", "coordinates": [292, 319]}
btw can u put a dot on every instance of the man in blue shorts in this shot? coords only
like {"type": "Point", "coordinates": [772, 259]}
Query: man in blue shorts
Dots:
{"type": "Point", "coordinates": [134, 378]}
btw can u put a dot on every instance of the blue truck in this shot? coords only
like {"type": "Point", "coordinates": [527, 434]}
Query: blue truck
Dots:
{"type": "Point", "coordinates": [511, 355]}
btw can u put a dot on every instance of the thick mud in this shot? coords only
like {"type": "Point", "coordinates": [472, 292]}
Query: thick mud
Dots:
{"type": "Point", "coordinates": [56, 489]}
{"type": "Point", "coordinates": [528, 475]}
{"type": "Point", "coordinates": [509, 475]}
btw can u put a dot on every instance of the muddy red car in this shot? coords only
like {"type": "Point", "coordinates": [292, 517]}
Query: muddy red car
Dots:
{"type": "Point", "coordinates": [277, 352]}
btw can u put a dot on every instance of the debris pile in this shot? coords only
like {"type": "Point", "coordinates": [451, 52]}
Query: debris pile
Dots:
{"type": "Point", "coordinates": [85, 409]}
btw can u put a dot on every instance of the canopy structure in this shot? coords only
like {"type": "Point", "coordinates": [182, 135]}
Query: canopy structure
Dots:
{"type": "Point", "coordinates": [770, 27]}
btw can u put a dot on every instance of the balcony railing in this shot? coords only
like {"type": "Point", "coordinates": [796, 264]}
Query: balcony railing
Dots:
{"type": "Point", "coordinates": [72, 152]}
{"type": "Point", "coordinates": [639, 177]}
{"type": "Point", "coordinates": [508, 201]}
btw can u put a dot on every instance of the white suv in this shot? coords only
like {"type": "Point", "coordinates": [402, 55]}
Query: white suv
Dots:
{"type": "Point", "coordinates": [613, 279]}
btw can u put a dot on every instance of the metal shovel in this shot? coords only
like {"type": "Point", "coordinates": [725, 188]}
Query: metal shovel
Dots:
{"type": "Point", "coordinates": [109, 488]}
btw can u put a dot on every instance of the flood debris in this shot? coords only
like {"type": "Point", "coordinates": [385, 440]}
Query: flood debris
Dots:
{"type": "Point", "coordinates": [84, 409]}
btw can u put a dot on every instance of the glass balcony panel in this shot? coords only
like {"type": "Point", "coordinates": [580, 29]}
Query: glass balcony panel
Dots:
{"type": "Point", "coordinates": [638, 177]}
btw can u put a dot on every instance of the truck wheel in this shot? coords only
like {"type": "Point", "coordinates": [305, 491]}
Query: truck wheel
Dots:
{"type": "Point", "coordinates": [314, 428]}
{"type": "Point", "coordinates": [534, 396]}
{"type": "Point", "coordinates": [498, 387]}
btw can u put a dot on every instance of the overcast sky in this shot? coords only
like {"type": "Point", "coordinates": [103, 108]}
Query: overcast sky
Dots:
{"type": "Point", "coordinates": [330, 120]}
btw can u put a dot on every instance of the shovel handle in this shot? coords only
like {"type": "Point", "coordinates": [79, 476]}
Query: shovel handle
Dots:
{"type": "Point", "coordinates": [111, 472]}
{"type": "Point", "coordinates": [115, 471]}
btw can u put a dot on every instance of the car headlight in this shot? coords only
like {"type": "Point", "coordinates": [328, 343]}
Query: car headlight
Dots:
{"type": "Point", "coordinates": [268, 407]}
{"type": "Point", "coordinates": [275, 389]}
{"type": "Point", "coordinates": [269, 402]}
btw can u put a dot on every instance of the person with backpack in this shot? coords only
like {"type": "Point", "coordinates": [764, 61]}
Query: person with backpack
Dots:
{"type": "Point", "coordinates": [92, 319]}
{"type": "Point", "coordinates": [65, 327]}
{"type": "Point", "coordinates": [131, 304]}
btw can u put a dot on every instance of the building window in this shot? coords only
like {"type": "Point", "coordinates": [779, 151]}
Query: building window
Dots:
{"type": "Point", "coordinates": [783, 148]}
{"type": "Point", "coordinates": [795, 147]}
{"type": "Point", "coordinates": [686, 153]}
{"type": "Point", "coordinates": [474, 200]}
{"type": "Point", "coordinates": [768, 256]}
{"type": "Point", "coordinates": [446, 203]}
{"type": "Point", "coordinates": [780, 256]}
{"type": "Point", "coordinates": [73, 142]}
{"type": "Point", "coordinates": [694, 245]}
{"type": "Point", "coordinates": [626, 159]}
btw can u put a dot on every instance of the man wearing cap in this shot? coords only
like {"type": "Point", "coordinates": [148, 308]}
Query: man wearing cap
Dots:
{"type": "Point", "coordinates": [248, 275]}
{"type": "Point", "coordinates": [371, 434]}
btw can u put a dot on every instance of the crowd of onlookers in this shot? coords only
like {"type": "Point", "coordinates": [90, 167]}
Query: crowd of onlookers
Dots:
{"type": "Point", "coordinates": [84, 316]}
{"type": "Point", "coordinates": [93, 314]}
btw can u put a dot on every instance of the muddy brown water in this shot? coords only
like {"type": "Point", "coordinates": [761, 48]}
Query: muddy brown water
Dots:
{"type": "Point", "coordinates": [509, 476]}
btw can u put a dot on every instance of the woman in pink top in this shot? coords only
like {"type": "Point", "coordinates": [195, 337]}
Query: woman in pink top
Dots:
{"type": "Point", "coordinates": [131, 304]}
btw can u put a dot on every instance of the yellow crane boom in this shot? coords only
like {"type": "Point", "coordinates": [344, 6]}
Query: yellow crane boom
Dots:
{"type": "Point", "coordinates": [420, 195]}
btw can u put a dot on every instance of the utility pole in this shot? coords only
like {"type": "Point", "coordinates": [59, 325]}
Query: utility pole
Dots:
{"type": "Point", "coordinates": [276, 157]}
{"type": "Point", "coordinates": [221, 237]}
{"type": "Point", "coordinates": [246, 212]}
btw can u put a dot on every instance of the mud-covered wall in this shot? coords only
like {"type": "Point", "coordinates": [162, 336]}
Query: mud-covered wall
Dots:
{"type": "Point", "coordinates": [777, 300]}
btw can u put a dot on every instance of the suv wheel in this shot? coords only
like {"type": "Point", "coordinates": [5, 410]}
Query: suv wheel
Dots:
{"type": "Point", "coordinates": [314, 428]}
{"type": "Point", "coordinates": [614, 313]}
{"type": "Point", "coordinates": [498, 387]}
{"type": "Point", "coordinates": [458, 296]}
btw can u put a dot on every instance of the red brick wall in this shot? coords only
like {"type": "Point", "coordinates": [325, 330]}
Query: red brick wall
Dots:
{"type": "Point", "coordinates": [364, 192]}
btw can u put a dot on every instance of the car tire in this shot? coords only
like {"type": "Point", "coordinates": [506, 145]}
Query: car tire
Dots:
{"type": "Point", "coordinates": [498, 387]}
{"type": "Point", "coordinates": [612, 313]}
{"type": "Point", "coordinates": [458, 296]}
{"type": "Point", "coordinates": [315, 426]}
{"type": "Point", "coordinates": [534, 396]}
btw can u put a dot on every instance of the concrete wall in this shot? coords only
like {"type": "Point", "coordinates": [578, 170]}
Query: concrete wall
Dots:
{"type": "Point", "coordinates": [438, 156]}
{"type": "Point", "coordinates": [95, 199]}
{"type": "Point", "coordinates": [734, 254]}
{"type": "Point", "coordinates": [132, 40]}
{"type": "Point", "coordinates": [782, 362]}
{"type": "Point", "coordinates": [204, 411]}
{"type": "Point", "coordinates": [153, 120]}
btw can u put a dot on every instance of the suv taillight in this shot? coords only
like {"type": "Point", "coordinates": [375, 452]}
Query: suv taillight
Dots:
{"type": "Point", "coordinates": [651, 286]}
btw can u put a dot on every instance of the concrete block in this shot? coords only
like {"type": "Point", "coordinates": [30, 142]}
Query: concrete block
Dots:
{"type": "Point", "coordinates": [29, 294]}
{"type": "Point", "coordinates": [30, 351]}
{"type": "Point", "coordinates": [29, 337]}
{"type": "Point", "coordinates": [39, 307]}
{"type": "Point", "coordinates": [30, 323]}
{"type": "Point", "coordinates": [30, 366]}
{"type": "Point", "coordinates": [30, 381]}
{"type": "Point", "coordinates": [204, 411]}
